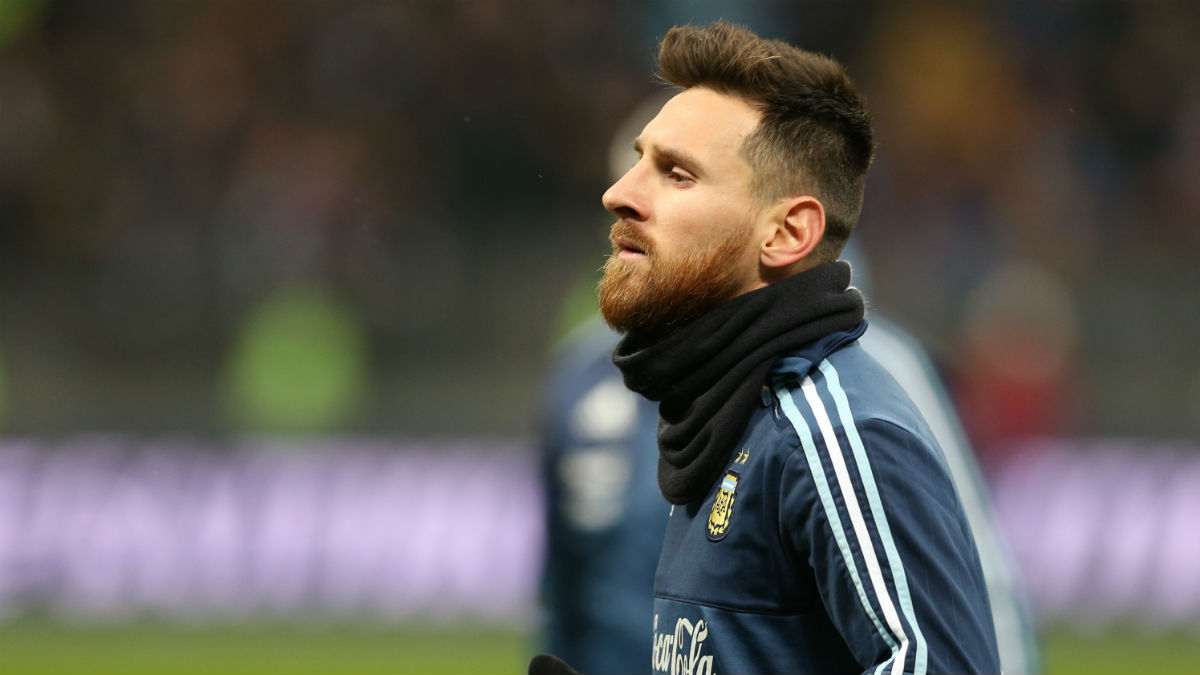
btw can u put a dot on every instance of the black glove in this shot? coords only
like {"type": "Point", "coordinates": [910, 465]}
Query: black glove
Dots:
{"type": "Point", "coordinates": [545, 664]}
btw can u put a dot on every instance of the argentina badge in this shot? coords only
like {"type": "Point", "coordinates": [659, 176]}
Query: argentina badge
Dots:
{"type": "Point", "coordinates": [722, 508]}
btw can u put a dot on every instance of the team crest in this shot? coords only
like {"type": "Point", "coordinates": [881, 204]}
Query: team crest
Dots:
{"type": "Point", "coordinates": [722, 508]}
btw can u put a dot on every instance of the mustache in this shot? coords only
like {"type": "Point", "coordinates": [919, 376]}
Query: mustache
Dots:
{"type": "Point", "coordinates": [623, 229]}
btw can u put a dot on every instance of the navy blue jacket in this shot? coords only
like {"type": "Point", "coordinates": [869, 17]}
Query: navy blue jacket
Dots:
{"type": "Point", "coordinates": [835, 540]}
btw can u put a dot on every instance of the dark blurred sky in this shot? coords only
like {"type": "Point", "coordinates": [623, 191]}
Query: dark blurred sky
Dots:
{"type": "Point", "coordinates": [211, 208]}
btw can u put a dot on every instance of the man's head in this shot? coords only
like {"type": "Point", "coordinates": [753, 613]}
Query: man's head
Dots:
{"type": "Point", "coordinates": [754, 172]}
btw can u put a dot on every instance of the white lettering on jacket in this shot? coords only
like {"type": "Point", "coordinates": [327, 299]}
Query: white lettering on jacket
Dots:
{"type": "Point", "coordinates": [679, 652]}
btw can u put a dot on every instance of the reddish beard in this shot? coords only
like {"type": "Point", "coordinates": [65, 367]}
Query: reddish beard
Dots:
{"type": "Point", "coordinates": [659, 295]}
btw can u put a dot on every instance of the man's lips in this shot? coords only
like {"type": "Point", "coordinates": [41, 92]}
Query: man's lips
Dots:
{"type": "Point", "coordinates": [627, 248]}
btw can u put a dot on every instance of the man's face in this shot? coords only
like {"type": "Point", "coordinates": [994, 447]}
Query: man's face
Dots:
{"type": "Point", "coordinates": [685, 238]}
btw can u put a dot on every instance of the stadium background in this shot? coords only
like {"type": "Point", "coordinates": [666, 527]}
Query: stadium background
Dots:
{"type": "Point", "coordinates": [278, 282]}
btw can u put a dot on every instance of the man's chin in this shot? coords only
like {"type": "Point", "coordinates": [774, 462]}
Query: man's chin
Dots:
{"type": "Point", "coordinates": [619, 304]}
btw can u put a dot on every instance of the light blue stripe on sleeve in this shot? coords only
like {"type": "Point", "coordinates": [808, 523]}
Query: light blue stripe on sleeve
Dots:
{"type": "Point", "coordinates": [830, 506]}
{"type": "Point", "coordinates": [872, 489]}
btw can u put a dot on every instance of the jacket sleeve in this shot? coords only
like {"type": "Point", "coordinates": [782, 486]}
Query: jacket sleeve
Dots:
{"type": "Point", "coordinates": [871, 509]}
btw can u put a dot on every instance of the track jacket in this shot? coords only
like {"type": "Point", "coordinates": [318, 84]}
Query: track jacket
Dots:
{"type": "Point", "coordinates": [834, 541]}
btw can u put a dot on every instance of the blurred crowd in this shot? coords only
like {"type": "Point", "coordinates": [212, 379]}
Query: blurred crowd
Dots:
{"type": "Point", "coordinates": [360, 216]}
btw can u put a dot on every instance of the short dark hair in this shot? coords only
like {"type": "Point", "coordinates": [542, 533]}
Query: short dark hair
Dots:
{"type": "Point", "coordinates": [815, 133]}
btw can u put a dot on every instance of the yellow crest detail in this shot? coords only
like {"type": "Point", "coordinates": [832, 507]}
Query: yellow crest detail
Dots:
{"type": "Point", "coordinates": [722, 508]}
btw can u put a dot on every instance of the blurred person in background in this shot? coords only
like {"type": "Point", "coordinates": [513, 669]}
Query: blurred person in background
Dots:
{"type": "Point", "coordinates": [748, 605]}
{"type": "Point", "coordinates": [605, 517]}
{"type": "Point", "coordinates": [1015, 377]}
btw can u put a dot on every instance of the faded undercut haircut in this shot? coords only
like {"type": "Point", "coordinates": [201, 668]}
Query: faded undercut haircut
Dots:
{"type": "Point", "coordinates": [815, 133]}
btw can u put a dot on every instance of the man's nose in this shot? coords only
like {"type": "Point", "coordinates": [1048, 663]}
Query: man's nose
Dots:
{"type": "Point", "coordinates": [625, 199]}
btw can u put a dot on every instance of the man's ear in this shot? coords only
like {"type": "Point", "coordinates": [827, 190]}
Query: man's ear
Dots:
{"type": "Point", "coordinates": [796, 227]}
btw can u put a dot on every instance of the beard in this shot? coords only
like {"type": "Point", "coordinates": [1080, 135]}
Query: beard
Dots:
{"type": "Point", "coordinates": [657, 296]}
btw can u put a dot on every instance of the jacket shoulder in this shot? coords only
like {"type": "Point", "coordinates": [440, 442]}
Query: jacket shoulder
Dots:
{"type": "Point", "coordinates": [851, 388]}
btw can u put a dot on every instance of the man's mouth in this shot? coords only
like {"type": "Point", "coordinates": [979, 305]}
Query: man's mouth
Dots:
{"type": "Point", "coordinates": [627, 248]}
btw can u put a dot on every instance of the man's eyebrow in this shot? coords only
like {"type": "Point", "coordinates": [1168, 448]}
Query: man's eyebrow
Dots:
{"type": "Point", "coordinates": [672, 155]}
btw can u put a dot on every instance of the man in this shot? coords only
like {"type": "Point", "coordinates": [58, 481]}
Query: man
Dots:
{"type": "Point", "coordinates": [605, 515]}
{"type": "Point", "coordinates": [814, 526]}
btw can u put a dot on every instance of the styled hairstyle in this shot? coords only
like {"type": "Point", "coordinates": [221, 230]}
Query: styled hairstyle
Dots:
{"type": "Point", "coordinates": [815, 133]}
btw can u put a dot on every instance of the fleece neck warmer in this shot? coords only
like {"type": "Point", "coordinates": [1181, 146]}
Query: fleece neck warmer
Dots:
{"type": "Point", "coordinates": [707, 376]}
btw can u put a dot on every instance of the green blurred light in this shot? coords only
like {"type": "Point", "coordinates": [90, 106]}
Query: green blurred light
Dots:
{"type": "Point", "coordinates": [579, 304]}
{"type": "Point", "coordinates": [16, 16]}
{"type": "Point", "coordinates": [299, 366]}
{"type": "Point", "coordinates": [3, 398]}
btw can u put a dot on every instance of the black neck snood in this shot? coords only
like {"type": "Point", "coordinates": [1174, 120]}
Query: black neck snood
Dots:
{"type": "Point", "coordinates": [707, 375]}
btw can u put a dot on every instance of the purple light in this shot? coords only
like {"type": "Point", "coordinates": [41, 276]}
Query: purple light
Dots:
{"type": "Point", "coordinates": [109, 526]}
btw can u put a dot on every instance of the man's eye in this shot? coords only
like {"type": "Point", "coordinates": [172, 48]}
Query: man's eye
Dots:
{"type": "Point", "coordinates": [677, 177]}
